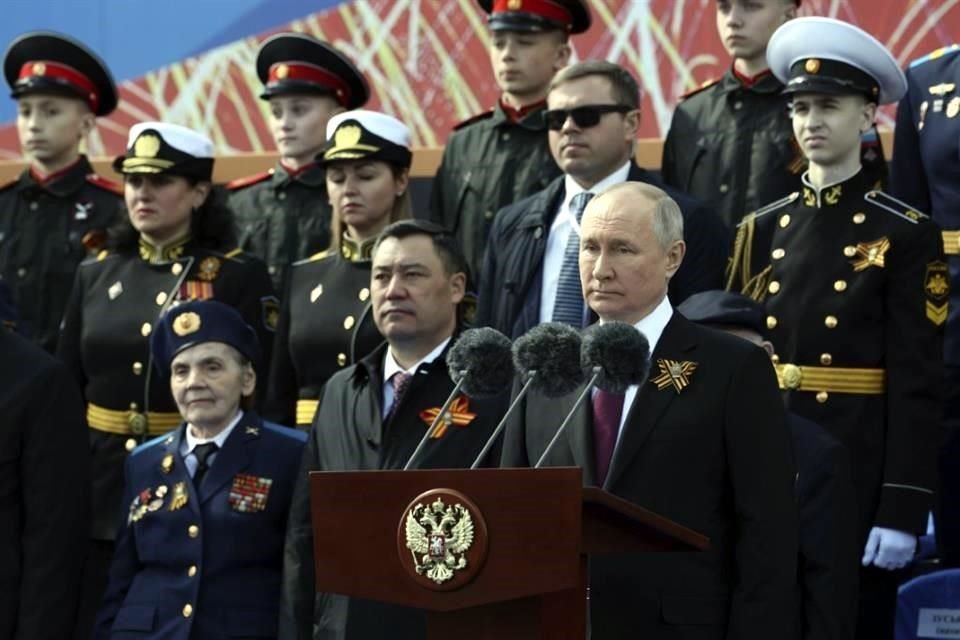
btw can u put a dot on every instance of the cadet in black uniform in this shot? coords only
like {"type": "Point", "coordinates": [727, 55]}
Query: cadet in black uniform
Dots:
{"type": "Point", "coordinates": [856, 288]}
{"type": "Point", "coordinates": [283, 214]}
{"type": "Point", "coordinates": [501, 156]}
{"type": "Point", "coordinates": [325, 322]}
{"type": "Point", "coordinates": [58, 210]}
{"type": "Point", "coordinates": [177, 245]}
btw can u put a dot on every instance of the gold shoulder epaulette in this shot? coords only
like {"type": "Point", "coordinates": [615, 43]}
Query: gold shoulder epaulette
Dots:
{"type": "Point", "coordinates": [320, 255]}
{"type": "Point", "coordinates": [773, 206]}
{"type": "Point", "coordinates": [102, 255]}
{"type": "Point", "coordinates": [234, 253]}
{"type": "Point", "coordinates": [895, 206]}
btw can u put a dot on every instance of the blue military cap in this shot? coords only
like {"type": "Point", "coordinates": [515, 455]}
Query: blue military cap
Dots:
{"type": "Point", "coordinates": [724, 309]}
{"type": "Point", "coordinates": [198, 321]}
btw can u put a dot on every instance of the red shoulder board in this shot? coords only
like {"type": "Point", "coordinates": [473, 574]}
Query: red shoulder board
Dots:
{"type": "Point", "coordinates": [705, 85]}
{"type": "Point", "coordinates": [104, 183]}
{"type": "Point", "coordinates": [246, 181]}
{"type": "Point", "coordinates": [472, 119]}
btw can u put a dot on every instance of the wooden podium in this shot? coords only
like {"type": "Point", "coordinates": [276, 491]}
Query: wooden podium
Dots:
{"type": "Point", "coordinates": [524, 575]}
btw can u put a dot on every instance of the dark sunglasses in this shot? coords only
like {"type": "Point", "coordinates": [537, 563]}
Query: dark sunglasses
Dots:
{"type": "Point", "coordinates": [584, 117]}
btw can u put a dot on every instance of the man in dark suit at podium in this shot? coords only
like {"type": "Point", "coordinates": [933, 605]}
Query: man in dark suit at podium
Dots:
{"type": "Point", "coordinates": [704, 442]}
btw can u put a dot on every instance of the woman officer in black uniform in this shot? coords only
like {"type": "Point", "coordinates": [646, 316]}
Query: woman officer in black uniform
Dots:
{"type": "Point", "coordinates": [176, 244]}
{"type": "Point", "coordinates": [325, 321]}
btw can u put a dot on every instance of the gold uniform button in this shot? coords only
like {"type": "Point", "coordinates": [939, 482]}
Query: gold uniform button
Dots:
{"type": "Point", "coordinates": [774, 287]}
{"type": "Point", "coordinates": [145, 329]}
{"type": "Point", "coordinates": [176, 269]}
{"type": "Point", "coordinates": [348, 323]}
{"type": "Point", "coordinates": [192, 571]}
{"type": "Point", "coordinates": [193, 531]}
{"type": "Point", "coordinates": [775, 359]}
{"type": "Point", "coordinates": [822, 397]}
{"type": "Point", "coordinates": [161, 298]}
{"type": "Point", "coordinates": [134, 406]}
{"type": "Point", "coordinates": [130, 444]}
{"type": "Point", "coordinates": [850, 251]}
{"type": "Point", "coordinates": [187, 610]}
{"type": "Point", "coordinates": [826, 359]}
{"type": "Point", "coordinates": [771, 322]}
{"type": "Point", "coordinates": [137, 368]}
{"type": "Point", "coordinates": [830, 322]}
{"type": "Point", "coordinates": [342, 359]}
{"type": "Point", "coordinates": [784, 220]}
{"type": "Point", "coordinates": [724, 188]}
{"type": "Point", "coordinates": [778, 254]}
{"type": "Point", "coordinates": [364, 294]}
{"type": "Point", "coordinates": [488, 214]}
{"type": "Point", "coordinates": [840, 286]}
{"type": "Point", "coordinates": [859, 218]}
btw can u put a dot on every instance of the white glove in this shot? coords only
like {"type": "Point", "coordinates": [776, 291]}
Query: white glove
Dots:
{"type": "Point", "coordinates": [889, 549]}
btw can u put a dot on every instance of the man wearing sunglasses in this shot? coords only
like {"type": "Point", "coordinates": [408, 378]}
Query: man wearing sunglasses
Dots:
{"type": "Point", "coordinates": [529, 274]}
{"type": "Point", "coordinates": [501, 156]}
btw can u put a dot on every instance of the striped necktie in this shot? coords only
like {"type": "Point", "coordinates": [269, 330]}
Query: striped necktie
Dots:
{"type": "Point", "coordinates": [568, 305]}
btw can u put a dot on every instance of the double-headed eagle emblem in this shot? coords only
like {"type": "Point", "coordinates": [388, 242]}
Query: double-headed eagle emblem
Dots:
{"type": "Point", "coordinates": [438, 537]}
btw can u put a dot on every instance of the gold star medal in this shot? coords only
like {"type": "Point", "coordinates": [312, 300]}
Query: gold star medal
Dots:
{"type": "Point", "coordinates": [674, 373]}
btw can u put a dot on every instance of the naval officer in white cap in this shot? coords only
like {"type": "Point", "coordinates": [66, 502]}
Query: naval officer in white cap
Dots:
{"type": "Point", "coordinates": [855, 287]}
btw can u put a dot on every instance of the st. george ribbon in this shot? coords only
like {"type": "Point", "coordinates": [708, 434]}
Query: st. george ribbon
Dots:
{"type": "Point", "coordinates": [479, 364]}
{"type": "Point", "coordinates": [547, 358]}
{"type": "Point", "coordinates": [615, 355]}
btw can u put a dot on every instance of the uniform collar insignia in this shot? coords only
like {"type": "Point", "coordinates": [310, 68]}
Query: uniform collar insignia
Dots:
{"type": "Point", "coordinates": [674, 373]}
{"type": "Point", "coordinates": [251, 431]}
{"type": "Point", "coordinates": [458, 414]}
{"type": "Point", "coordinates": [870, 254]}
{"type": "Point", "coordinates": [830, 195]}
{"type": "Point", "coordinates": [354, 251]}
{"type": "Point", "coordinates": [169, 253]}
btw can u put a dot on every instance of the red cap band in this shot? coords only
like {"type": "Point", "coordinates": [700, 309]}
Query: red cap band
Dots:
{"type": "Point", "coordinates": [545, 8]}
{"type": "Point", "coordinates": [283, 71]}
{"type": "Point", "coordinates": [57, 71]}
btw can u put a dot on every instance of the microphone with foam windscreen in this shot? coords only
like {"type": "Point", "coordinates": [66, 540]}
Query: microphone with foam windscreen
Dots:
{"type": "Point", "coordinates": [615, 355]}
{"type": "Point", "coordinates": [548, 359]}
{"type": "Point", "coordinates": [480, 365]}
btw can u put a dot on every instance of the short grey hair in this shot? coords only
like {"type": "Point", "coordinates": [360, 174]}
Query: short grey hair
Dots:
{"type": "Point", "coordinates": [667, 217]}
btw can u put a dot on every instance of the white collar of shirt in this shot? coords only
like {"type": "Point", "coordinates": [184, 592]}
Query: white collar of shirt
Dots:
{"type": "Point", "coordinates": [190, 441]}
{"type": "Point", "coordinates": [391, 366]}
{"type": "Point", "coordinates": [571, 189]}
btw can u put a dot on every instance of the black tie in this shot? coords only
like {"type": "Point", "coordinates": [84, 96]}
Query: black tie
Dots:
{"type": "Point", "coordinates": [203, 453]}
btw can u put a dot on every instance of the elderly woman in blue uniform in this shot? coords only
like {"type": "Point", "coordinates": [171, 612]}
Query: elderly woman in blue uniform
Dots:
{"type": "Point", "coordinates": [174, 245]}
{"type": "Point", "coordinates": [199, 553]}
{"type": "Point", "coordinates": [855, 287]}
{"type": "Point", "coordinates": [325, 323]}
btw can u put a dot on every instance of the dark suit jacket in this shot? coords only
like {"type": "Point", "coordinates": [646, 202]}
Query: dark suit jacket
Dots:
{"type": "Point", "coordinates": [44, 493]}
{"type": "Point", "coordinates": [220, 552]}
{"type": "Point", "coordinates": [511, 276]}
{"type": "Point", "coordinates": [714, 457]}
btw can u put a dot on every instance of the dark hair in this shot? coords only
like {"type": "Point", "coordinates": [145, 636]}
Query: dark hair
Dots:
{"type": "Point", "coordinates": [211, 225]}
{"type": "Point", "coordinates": [623, 86]}
{"type": "Point", "coordinates": [445, 245]}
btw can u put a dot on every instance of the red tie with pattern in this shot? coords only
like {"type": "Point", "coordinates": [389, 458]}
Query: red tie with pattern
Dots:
{"type": "Point", "coordinates": [607, 411]}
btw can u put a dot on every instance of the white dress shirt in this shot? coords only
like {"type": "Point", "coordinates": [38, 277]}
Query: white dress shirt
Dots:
{"type": "Point", "coordinates": [190, 442]}
{"type": "Point", "coordinates": [391, 366]}
{"type": "Point", "coordinates": [563, 223]}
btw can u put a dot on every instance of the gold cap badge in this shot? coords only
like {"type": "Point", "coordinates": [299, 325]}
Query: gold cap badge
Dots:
{"type": "Point", "coordinates": [347, 136]}
{"type": "Point", "coordinates": [515, 5]}
{"type": "Point", "coordinates": [39, 69]}
{"type": "Point", "coordinates": [812, 66]}
{"type": "Point", "coordinates": [186, 323]}
{"type": "Point", "coordinates": [282, 71]}
{"type": "Point", "coordinates": [146, 146]}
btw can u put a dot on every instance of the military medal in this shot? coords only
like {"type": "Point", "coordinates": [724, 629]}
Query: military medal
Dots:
{"type": "Point", "coordinates": [166, 465]}
{"type": "Point", "coordinates": [870, 254]}
{"type": "Point", "coordinates": [674, 373]}
{"type": "Point", "coordinates": [179, 499]}
{"type": "Point", "coordinates": [316, 293]}
{"type": "Point", "coordinates": [208, 269]}
{"type": "Point", "coordinates": [923, 114]}
{"type": "Point", "coordinates": [139, 506]}
{"type": "Point", "coordinates": [249, 493]}
{"type": "Point", "coordinates": [953, 108]}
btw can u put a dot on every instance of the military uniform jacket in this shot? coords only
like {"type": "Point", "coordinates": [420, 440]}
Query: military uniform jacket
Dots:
{"type": "Point", "coordinates": [202, 562]}
{"type": "Point", "coordinates": [43, 230]}
{"type": "Point", "coordinates": [116, 302]}
{"type": "Point", "coordinates": [282, 217]}
{"type": "Point", "coordinates": [349, 433]}
{"type": "Point", "coordinates": [855, 279]}
{"type": "Point", "coordinates": [925, 171]}
{"type": "Point", "coordinates": [733, 146]}
{"type": "Point", "coordinates": [510, 281]}
{"type": "Point", "coordinates": [489, 162]}
{"type": "Point", "coordinates": [325, 324]}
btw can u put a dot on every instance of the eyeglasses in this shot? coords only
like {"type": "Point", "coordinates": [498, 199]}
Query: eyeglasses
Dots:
{"type": "Point", "coordinates": [584, 117]}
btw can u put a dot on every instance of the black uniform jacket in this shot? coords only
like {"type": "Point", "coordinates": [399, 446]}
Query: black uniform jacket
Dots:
{"type": "Point", "coordinates": [282, 216]}
{"type": "Point", "coordinates": [350, 434]}
{"type": "Point", "coordinates": [47, 228]}
{"type": "Point", "coordinates": [714, 457]}
{"type": "Point", "coordinates": [44, 493]}
{"type": "Point", "coordinates": [116, 302]}
{"type": "Point", "coordinates": [510, 282]}
{"type": "Point", "coordinates": [325, 325]}
{"type": "Point", "coordinates": [489, 162]}
{"type": "Point", "coordinates": [733, 146]}
{"type": "Point", "coordinates": [853, 279]}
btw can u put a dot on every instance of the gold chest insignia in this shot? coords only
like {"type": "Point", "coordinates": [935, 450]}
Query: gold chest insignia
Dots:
{"type": "Point", "coordinates": [936, 285]}
{"type": "Point", "coordinates": [166, 465]}
{"type": "Point", "coordinates": [870, 254]}
{"type": "Point", "coordinates": [458, 414]}
{"type": "Point", "coordinates": [439, 536]}
{"type": "Point", "coordinates": [674, 373]}
{"type": "Point", "coordinates": [180, 497]}
{"type": "Point", "coordinates": [209, 269]}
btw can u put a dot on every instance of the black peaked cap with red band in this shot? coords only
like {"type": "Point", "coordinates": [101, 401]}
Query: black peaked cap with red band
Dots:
{"type": "Point", "coordinates": [572, 16]}
{"type": "Point", "coordinates": [48, 62]}
{"type": "Point", "coordinates": [298, 63]}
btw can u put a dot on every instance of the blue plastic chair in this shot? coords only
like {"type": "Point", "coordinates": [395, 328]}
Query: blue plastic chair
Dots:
{"type": "Point", "coordinates": [929, 607]}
